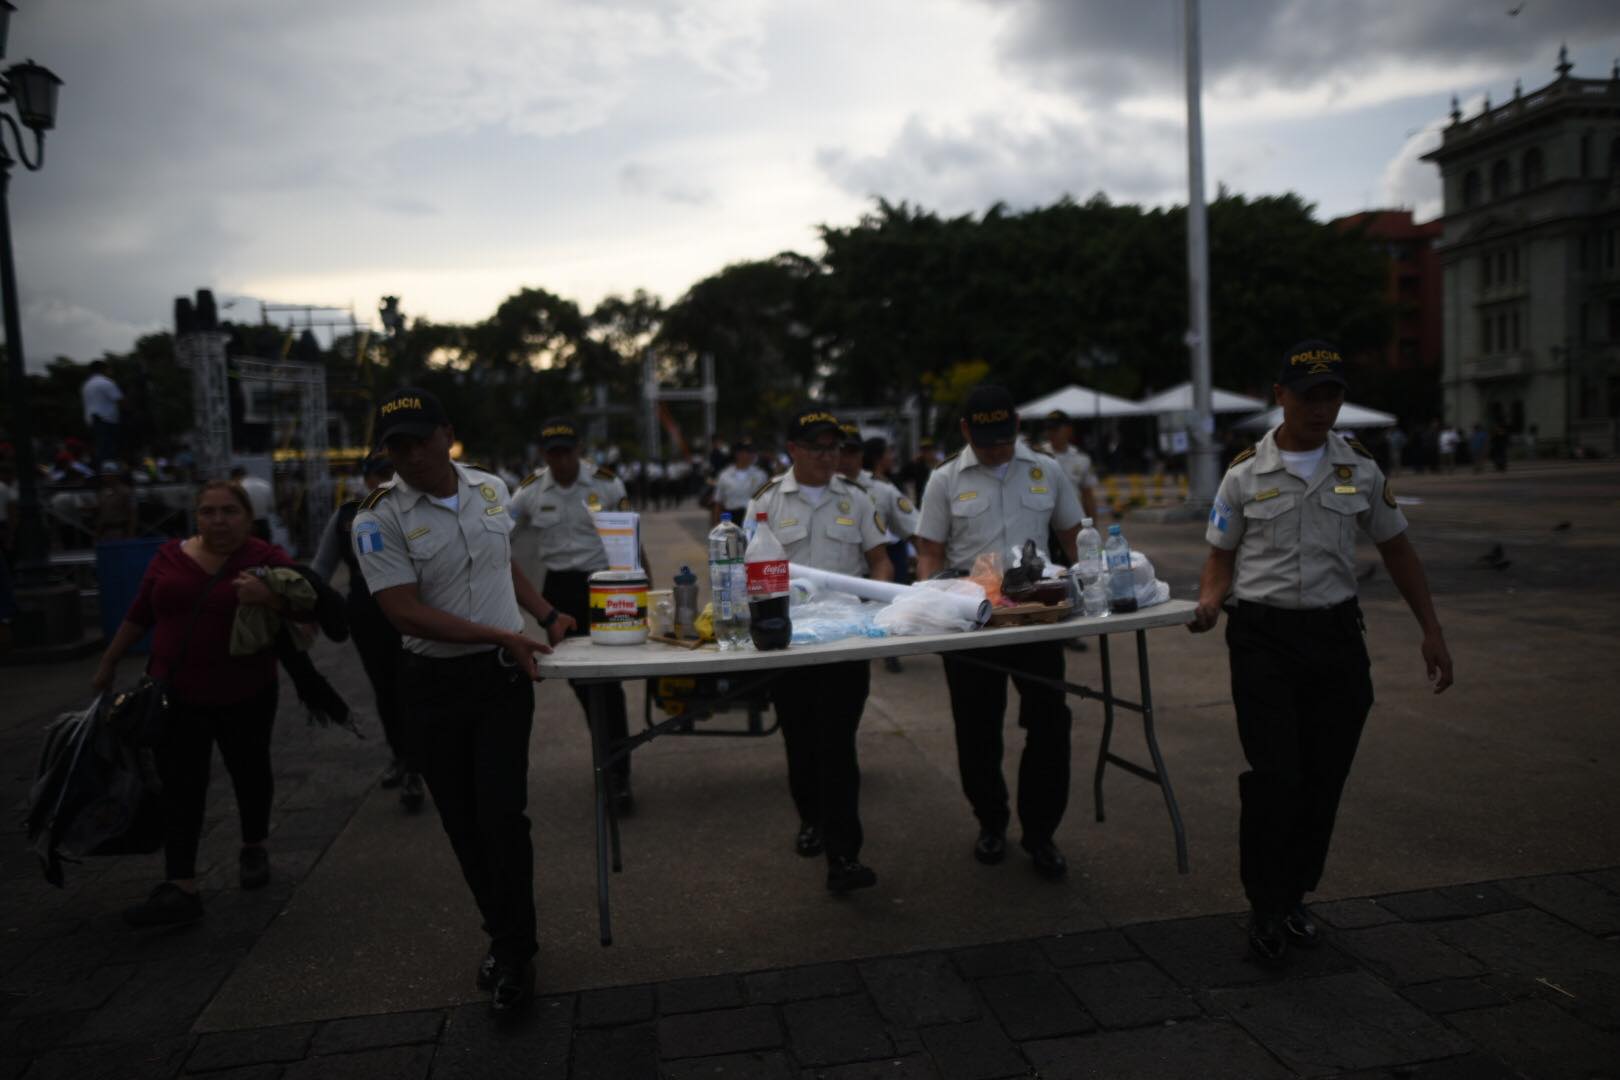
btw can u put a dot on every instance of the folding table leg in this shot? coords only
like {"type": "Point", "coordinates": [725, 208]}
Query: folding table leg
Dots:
{"type": "Point", "coordinates": [596, 717]}
{"type": "Point", "coordinates": [1158, 758]}
{"type": "Point", "coordinates": [1108, 724]}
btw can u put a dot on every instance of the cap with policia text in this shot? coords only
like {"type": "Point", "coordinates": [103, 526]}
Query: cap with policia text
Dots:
{"type": "Point", "coordinates": [1057, 418]}
{"type": "Point", "coordinates": [410, 410]}
{"type": "Point", "coordinates": [1311, 363]}
{"type": "Point", "coordinates": [851, 436]}
{"type": "Point", "coordinates": [810, 422]}
{"type": "Point", "coordinates": [558, 431]}
{"type": "Point", "coordinates": [990, 416]}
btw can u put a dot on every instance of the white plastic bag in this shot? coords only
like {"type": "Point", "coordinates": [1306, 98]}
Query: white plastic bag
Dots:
{"type": "Point", "coordinates": [930, 607]}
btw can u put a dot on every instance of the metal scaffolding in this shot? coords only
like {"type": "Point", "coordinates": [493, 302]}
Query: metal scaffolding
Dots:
{"type": "Point", "coordinates": [203, 351]}
{"type": "Point", "coordinates": [309, 435]}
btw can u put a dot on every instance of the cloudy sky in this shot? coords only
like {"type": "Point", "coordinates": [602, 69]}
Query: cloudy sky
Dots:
{"type": "Point", "coordinates": [312, 151]}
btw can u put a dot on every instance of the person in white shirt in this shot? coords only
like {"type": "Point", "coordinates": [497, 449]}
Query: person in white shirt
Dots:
{"type": "Point", "coordinates": [261, 495]}
{"type": "Point", "coordinates": [101, 397]}
{"type": "Point", "coordinates": [736, 484]}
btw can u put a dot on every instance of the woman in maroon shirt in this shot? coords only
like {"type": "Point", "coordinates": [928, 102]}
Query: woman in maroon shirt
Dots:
{"type": "Point", "coordinates": [213, 695]}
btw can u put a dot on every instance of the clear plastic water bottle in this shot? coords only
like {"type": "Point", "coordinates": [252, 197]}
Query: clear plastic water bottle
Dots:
{"type": "Point", "coordinates": [1121, 581]}
{"type": "Point", "coordinates": [1089, 551]}
{"type": "Point", "coordinates": [728, 585]}
{"type": "Point", "coordinates": [1094, 596]}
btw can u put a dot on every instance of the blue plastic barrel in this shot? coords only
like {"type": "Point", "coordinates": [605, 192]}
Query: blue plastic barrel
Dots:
{"type": "Point", "coordinates": [120, 565]}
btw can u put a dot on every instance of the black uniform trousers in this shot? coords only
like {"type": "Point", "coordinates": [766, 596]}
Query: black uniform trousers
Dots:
{"type": "Point", "coordinates": [819, 709]}
{"type": "Point", "coordinates": [380, 648]}
{"type": "Point", "coordinates": [469, 719]}
{"type": "Point", "coordinates": [978, 700]}
{"type": "Point", "coordinates": [1302, 690]}
{"type": "Point", "coordinates": [569, 591]}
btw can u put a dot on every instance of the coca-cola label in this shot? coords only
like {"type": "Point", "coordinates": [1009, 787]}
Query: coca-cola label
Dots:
{"type": "Point", "coordinates": [767, 579]}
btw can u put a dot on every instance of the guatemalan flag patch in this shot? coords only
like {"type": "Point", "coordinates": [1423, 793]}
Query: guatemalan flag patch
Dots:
{"type": "Point", "coordinates": [368, 537]}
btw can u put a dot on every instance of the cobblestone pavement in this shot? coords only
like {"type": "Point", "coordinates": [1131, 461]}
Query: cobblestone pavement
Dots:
{"type": "Point", "coordinates": [1516, 976]}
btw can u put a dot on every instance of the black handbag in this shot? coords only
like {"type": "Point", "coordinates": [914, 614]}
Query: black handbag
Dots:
{"type": "Point", "coordinates": [139, 716]}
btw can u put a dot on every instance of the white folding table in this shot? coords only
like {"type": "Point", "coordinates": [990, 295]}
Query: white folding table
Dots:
{"type": "Point", "coordinates": [597, 666]}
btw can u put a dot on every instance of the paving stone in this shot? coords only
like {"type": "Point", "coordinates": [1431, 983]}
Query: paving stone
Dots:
{"type": "Point", "coordinates": [1199, 1050]}
{"type": "Point", "coordinates": [767, 1065]}
{"type": "Point", "coordinates": [830, 1031]}
{"type": "Point", "coordinates": [1405, 953]}
{"type": "Point", "coordinates": [1091, 947]}
{"type": "Point", "coordinates": [1012, 958]}
{"type": "Point", "coordinates": [797, 984]}
{"type": "Point", "coordinates": [253, 1047]}
{"type": "Point", "coordinates": [247, 1072]}
{"type": "Point", "coordinates": [1483, 898]}
{"type": "Point", "coordinates": [155, 1060]}
{"type": "Point", "coordinates": [1211, 951]}
{"type": "Point", "coordinates": [1467, 1067]}
{"type": "Point", "coordinates": [914, 991]}
{"type": "Point", "coordinates": [58, 961]}
{"type": "Point", "coordinates": [1542, 1040]}
{"type": "Point", "coordinates": [1034, 1006]}
{"type": "Point", "coordinates": [34, 1034]}
{"type": "Point", "coordinates": [621, 1005]}
{"type": "Point", "coordinates": [162, 997]}
{"type": "Point", "coordinates": [699, 995]}
{"type": "Point", "coordinates": [623, 1053]}
{"type": "Point", "coordinates": [1605, 879]}
{"type": "Point", "coordinates": [1530, 942]}
{"type": "Point", "coordinates": [11, 1068]}
{"type": "Point", "coordinates": [370, 1032]}
{"type": "Point", "coordinates": [1453, 995]}
{"type": "Point", "coordinates": [1130, 994]}
{"type": "Point", "coordinates": [390, 1063]}
{"type": "Point", "coordinates": [977, 1050]}
{"type": "Point", "coordinates": [1573, 899]}
{"type": "Point", "coordinates": [1353, 914]}
{"type": "Point", "coordinates": [910, 1067]}
{"type": "Point", "coordinates": [1593, 996]}
{"type": "Point", "coordinates": [1323, 1026]}
{"type": "Point", "coordinates": [475, 1046]}
{"type": "Point", "coordinates": [1423, 905]}
{"type": "Point", "coordinates": [724, 1031]}
{"type": "Point", "coordinates": [85, 993]}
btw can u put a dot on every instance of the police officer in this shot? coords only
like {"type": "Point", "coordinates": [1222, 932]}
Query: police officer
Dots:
{"type": "Point", "coordinates": [374, 636]}
{"type": "Point", "coordinates": [560, 502]}
{"type": "Point", "coordinates": [735, 483]}
{"type": "Point", "coordinates": [1075, 462]}
{"type": "Point", "coordinates": [435, 549]}
{"type": "Point", "coordinates": [994, 496]}
{"type": "Point", "coordinates": [897, 515]}
{"type": "Point", "coordinates": [829, 523]}
{"type": "Point", "coordinates": [1282, 536]}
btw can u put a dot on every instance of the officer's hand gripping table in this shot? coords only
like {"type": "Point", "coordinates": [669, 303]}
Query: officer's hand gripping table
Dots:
{"type": "Point", "coordinates": [597, 666]}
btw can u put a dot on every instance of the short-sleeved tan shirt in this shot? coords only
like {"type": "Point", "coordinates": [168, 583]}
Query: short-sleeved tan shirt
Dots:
{"type": "Point", "coordinates": [970, 510]}
{"type": "Point", "coordinates": [565, 518]}
{"type": "Point", "coordinates": [897, 514]}
{"type": "Point", "coordinates": [460, 560]}
{"type": "Point", "coordinates": [1296, 540]}
{"type": "Point", "coordinates": [836, 535]}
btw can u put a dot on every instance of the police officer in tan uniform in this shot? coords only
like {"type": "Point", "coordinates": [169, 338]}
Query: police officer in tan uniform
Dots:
{"type": "Point", "coordinates": [736, 483]}
{"type": "Point", "coordinates": [1075, 462]}
{"type": "Point", "coordinates": [435, 549]}
{"type": "Point", "coordinates": [1282, 534]}
{"type": "Point", "coordinates": [994, 496]}
{"type": "Point", "coordinates": [829, 523]}
{"type": "Point", "coordinates": [559, 503]}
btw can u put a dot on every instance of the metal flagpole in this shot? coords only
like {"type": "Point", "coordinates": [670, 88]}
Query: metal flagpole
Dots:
{"type": "Point", "coordinates": [1201, 461]}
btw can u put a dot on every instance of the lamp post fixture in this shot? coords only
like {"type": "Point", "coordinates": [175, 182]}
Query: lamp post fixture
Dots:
{"type": "Point", "coordinates": [32, 89]}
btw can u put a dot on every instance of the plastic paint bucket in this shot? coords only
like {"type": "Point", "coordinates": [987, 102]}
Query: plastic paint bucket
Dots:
{"type": "Point", "coordinates": [618, 607]}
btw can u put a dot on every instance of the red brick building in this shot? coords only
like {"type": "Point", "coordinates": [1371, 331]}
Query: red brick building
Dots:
{"type": "Point", "coordinates": [1414, 285]}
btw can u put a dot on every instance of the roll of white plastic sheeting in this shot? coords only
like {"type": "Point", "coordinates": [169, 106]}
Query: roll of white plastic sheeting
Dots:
{"type": "Point", "coordinates": [964, 608]}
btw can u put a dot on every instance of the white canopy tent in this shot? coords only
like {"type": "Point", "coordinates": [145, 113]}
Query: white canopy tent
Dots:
{"type": "Point", "coordinates": [1350, 416]}
{"type": "Point", "coordinates": [1079, 403]}
{"type": "Point", "coordinates": [1179, 399]}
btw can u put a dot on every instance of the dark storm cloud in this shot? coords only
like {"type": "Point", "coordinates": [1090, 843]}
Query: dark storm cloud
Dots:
{"type": "Point", "coordinates": [1112, 50]}
{"type": "Point", "coordinates": [958, 171]}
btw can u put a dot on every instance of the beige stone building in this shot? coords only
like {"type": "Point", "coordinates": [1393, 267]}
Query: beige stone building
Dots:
{"type": "Point", "coordinates": [1531, 292]}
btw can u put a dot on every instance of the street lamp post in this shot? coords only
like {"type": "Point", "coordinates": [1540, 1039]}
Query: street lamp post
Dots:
{"type": "Point", "coordinates": [33, 90]}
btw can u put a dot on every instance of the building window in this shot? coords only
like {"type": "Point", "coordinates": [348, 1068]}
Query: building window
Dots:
{"type": "Point", "coordinates": [1485, 335]}
{"type": "Point", "coordinates": [1513, 258]}
{"type": "Point", "coordinates": [1470, 190]}
{"type": "Point", "coordinates": [1501, 268]}
{"type": "Point", "coordinates": [1501, 180]}
{"type": "Point", "coordinates": [1515, 328]}
{"type": "Point", "coordinates": [1485, 270]}
{"type": "Point", "coordinates": [1614, 157]}
{"type": "Point", "coordinates": [1585, 320]}
{"type": "Point", "coordinates": [1586, 155]}
{"type": "Point", "coordinates": [1501, 332]}
{"type": "Point", "coordinates": [1614, 320]}
{"type": "Point", "coordinates": [1531, 168]}
{"type": "Point", "coordinates": [1583, 258]}
{"type": "Point", "coordinates": [1608, 250]}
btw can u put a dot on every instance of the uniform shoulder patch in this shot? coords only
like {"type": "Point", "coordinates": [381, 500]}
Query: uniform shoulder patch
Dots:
{"type": "Point", "coordinates": [531, 478]}
{"type": "Point", "coordinates": [377, 496]}
{"type": "Point", "coordinates": [1355, 444]}
{"type": "Point", "coordinates": [605, 473]}
{"type": "Point", "coordinates": [766, 486]}
{"type": "Point", "coordinates": [857, 485]}
{"type": "Point", "coordinates": [1389, 494]}
{"type": "Point", "coordinates": [1243, 455]}
{"type": "Point", "coordinates": [950, 459]}
{"type": "Point", "coordinates": [475, 467]}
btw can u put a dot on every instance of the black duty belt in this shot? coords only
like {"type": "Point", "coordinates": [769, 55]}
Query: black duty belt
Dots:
{"type": "Point", "coordinates": [1340, 614]}
{"type": "Point", "coordinates": [450, 665]}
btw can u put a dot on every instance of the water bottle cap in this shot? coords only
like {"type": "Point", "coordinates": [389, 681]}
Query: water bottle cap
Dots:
{"type": "Point", "coordinates": [725, 515]}
{"type": "Point", "coordinates": [1086, 523]}
{"type": "Point", "coordinates": [1113, 530]}
{"type": "Point", "coordinates": [686, 577]}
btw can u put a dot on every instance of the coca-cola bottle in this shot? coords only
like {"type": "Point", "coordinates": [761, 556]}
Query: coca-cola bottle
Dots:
{"type": "Point", "coordinates": [768, 622]}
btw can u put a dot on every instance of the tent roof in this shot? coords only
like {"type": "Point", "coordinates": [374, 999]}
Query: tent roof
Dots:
{"type": "Point", "coordinates": [1350, 416]}
{"type": "Point", "coordinates": [1079, 403]}
{"type": "Point", "coordinates": [1179, 398]}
